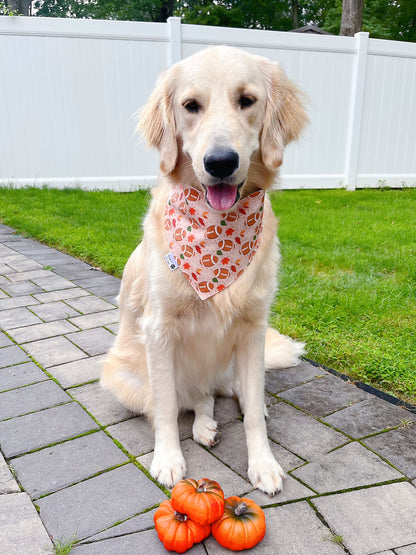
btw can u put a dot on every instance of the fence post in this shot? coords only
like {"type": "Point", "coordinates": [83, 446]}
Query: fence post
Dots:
{"type": "Point", "coordinates": [356, 110]}
{"type": "Point", "coordinates": [175, 40]}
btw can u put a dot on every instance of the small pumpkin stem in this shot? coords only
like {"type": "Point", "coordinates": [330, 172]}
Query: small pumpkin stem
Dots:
{"type": "Point", "coordinates": [180, 516]}
{"type": "Point", "coordinates": [240, 509]}
{"type": "Point", "coordinates": [201, 488]}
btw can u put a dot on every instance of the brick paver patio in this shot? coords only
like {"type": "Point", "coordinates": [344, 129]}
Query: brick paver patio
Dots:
{"type": "Point", "coordinates": [74, 460]}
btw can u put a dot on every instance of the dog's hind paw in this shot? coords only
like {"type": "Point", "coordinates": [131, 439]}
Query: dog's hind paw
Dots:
{"type": "Point", "coordinates": [205, 431]}
{"type": "Point", "coordinates": [168, 469]}
{"type": "Point", "coordinates": [266, 475]}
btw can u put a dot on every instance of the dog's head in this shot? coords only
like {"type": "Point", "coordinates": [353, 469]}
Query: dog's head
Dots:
{"type": "Point", "coordinates": [221, 119]}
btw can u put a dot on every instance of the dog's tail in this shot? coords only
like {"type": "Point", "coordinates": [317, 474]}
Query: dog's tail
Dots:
{"type": "Point", "coordinates": [281, 351]}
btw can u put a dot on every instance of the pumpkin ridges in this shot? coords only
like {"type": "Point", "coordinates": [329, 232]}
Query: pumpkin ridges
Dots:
{"type": "Point", "coordinates": [202, 500]}
{"type": "Point", "coordinates": [200, 531]}
{"type": "Point", "coordinates": [177, 534]}
{"type": "Point", "coordinates": [181, 535]}
{"type": "Point", "coordinates": [240, 531]}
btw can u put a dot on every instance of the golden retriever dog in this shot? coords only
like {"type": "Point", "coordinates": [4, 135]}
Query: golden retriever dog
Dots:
{"type": "Point", "coordinates": [220, 120]}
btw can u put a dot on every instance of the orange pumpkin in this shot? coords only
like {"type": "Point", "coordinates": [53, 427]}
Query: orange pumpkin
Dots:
{"type": "Point", "coordinates": [177, 531]}
{"type": "Point", "coordinates": [242, 525]}
{"type": "Point", "coordinates": [202, 500]}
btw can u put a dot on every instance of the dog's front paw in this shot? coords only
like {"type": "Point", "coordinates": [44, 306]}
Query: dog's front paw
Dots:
{"type": "Point", "coordinates": [205, 431]}
{"type": "Point", "coordinates": [168, 468]}
{"type": "Point", "coordinates": [267, 475]}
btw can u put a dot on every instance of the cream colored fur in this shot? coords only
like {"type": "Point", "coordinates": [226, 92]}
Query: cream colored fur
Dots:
{"type": "Point", "coordinates": [173, 350]}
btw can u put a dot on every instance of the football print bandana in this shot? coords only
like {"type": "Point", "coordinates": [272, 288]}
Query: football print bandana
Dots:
{"type": "Point", "coordinates": [212, 249]}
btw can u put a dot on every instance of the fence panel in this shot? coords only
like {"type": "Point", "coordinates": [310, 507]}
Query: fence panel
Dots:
{"type": "Point", "coordinates": [69, 90]}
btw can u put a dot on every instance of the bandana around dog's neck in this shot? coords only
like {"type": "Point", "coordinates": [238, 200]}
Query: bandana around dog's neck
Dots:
{"type": "Point", "coordinates": [211, 248]}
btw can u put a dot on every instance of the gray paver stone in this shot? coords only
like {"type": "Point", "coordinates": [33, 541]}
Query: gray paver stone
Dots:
{"type": "Point", "coordinates": [21, 263]}
{"type": "Point", "coordinates": [76, 271]}
{"type": "Point", "coordinates": [372, 519]}
{"type": "Point", "coordinates": [292, 529]}
{"type": "Point", "coordinates": [7, 483]}
{"type": "Point", "coordinates": [21, 529]}
{"type": "Point", "coordinates": [226, 410]}
{"type": "Point", "coordinates": [4, 340]}
{"type": "Point", "coordinates": [34, 250]}
{"type": "Point", "coordinates": [96, 319]}
{"type": "Point", "coordinates": [17, 302]}
{"type": "Point", "coordinates": [27, 276]}
{"type": "Point", "coordinates": [31, 398]}
{"type": "Point", "coordinates": [368, 417]}
{"type": "Point", "coordinates": [21, 374]}
{"type": "Point", "coordinates": [200, 463]}
{"type": "Point", "coordinates": [399, 447]}
{"type": "Point", "coordinates": [77, 372]}
{"type": "Point", "coordinates": [63, 265]}
{"type": "Point", "coordinates": [53, 351]}
{"type": "Point", "coordinates": [23, 244]}
{"type": "Point", "coordinates": [143, 543]}
{"type": "Point", "coordinates": [138, 523]}
{"type": "Point", "coordinates": [300, 433]}
{"type": "Point", "coordinates": [21, 288]}
{"type": "Point", "coordinates": [348, 467]}
{"type": "Point", "coordinates": [135, 435]}
{"type": "Point", "coordinates": [100, 278]}
{"type": "Point", "coordinates": [101, 404]}
{"type": "Point", "coordinates": [12, 355]}
{"type": "Point", "coordinates": [25, 433]}
{"type": "Point", "coordinates": [90, 304]}
{"type": "Point", "coordinates": [41, 331]}
{"type": "Point", "coordinates": [52, 258]}
{"type": "Point", "coordinates": [280, 380]}
{"type": "Point", "coordinates": [60, 466]}
{"type": "Point", "coordinates": [61, 295]}
{"type": "Point", "coordinates": [53, 283]}
{"type": "Point", "coordinates": [57, 310]}
{"type": "Point", "coordinates": [17, 317]}
{"type": "Point", "coordinates": [96, 341]}
{"type": "Point", "coordinates": [119, 494]}
{"type": "Point", "coordinates": [106, 290]}
{"type": "Point", "coordinates": [322, 396]}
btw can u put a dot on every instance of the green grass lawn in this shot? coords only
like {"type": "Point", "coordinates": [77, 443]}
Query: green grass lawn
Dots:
{"type": "Point", "coordinates": [347, 282]}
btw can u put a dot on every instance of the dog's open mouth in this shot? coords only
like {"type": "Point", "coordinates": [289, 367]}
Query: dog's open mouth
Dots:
{"type": "Point", "coordinates": [222, 196]}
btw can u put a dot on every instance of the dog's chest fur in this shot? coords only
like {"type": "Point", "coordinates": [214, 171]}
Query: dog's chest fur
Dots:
{"type": "Point", "coordinates": [207, 330]}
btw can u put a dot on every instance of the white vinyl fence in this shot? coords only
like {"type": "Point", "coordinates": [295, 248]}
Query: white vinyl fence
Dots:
{"type": "Point", "coordinates": [69, 90]}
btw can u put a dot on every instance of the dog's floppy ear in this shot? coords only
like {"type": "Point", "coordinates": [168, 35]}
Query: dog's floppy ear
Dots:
{"type": "Point", "coordinates": [157, 122]}
{"type": "Point", "coordinates": [285, 115]}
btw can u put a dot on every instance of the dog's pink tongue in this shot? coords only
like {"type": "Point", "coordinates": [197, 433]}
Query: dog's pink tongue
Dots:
{"type": "Point", "coordinates": [222, 197]}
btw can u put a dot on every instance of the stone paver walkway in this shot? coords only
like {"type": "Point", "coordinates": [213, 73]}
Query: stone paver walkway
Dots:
{"type": "Point", "coordinates": [75, 462]}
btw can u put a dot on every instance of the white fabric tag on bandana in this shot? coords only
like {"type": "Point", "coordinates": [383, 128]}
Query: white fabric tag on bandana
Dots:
{"type": "Point", "coordinates": [171, 262]}
{"type": "Point", "coordinates": [212, 249]}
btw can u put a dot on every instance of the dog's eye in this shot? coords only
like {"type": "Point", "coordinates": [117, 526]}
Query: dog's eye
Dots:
{"type": "Point", "coordinates": [192, 106]}
{"type": "Point", "coordinates": [246, 101]}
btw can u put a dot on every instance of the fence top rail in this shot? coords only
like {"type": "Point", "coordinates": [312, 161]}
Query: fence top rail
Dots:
{"type": "Point", "coordinates": [83, 28]}
{"type": "Point", "coordinates": [267, 39]}
{"type": "Point", "coordinates": [396, 49]}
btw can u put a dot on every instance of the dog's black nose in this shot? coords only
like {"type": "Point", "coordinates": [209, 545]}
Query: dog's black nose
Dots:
{"type": "Point", "coordinates": [221, 163]}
